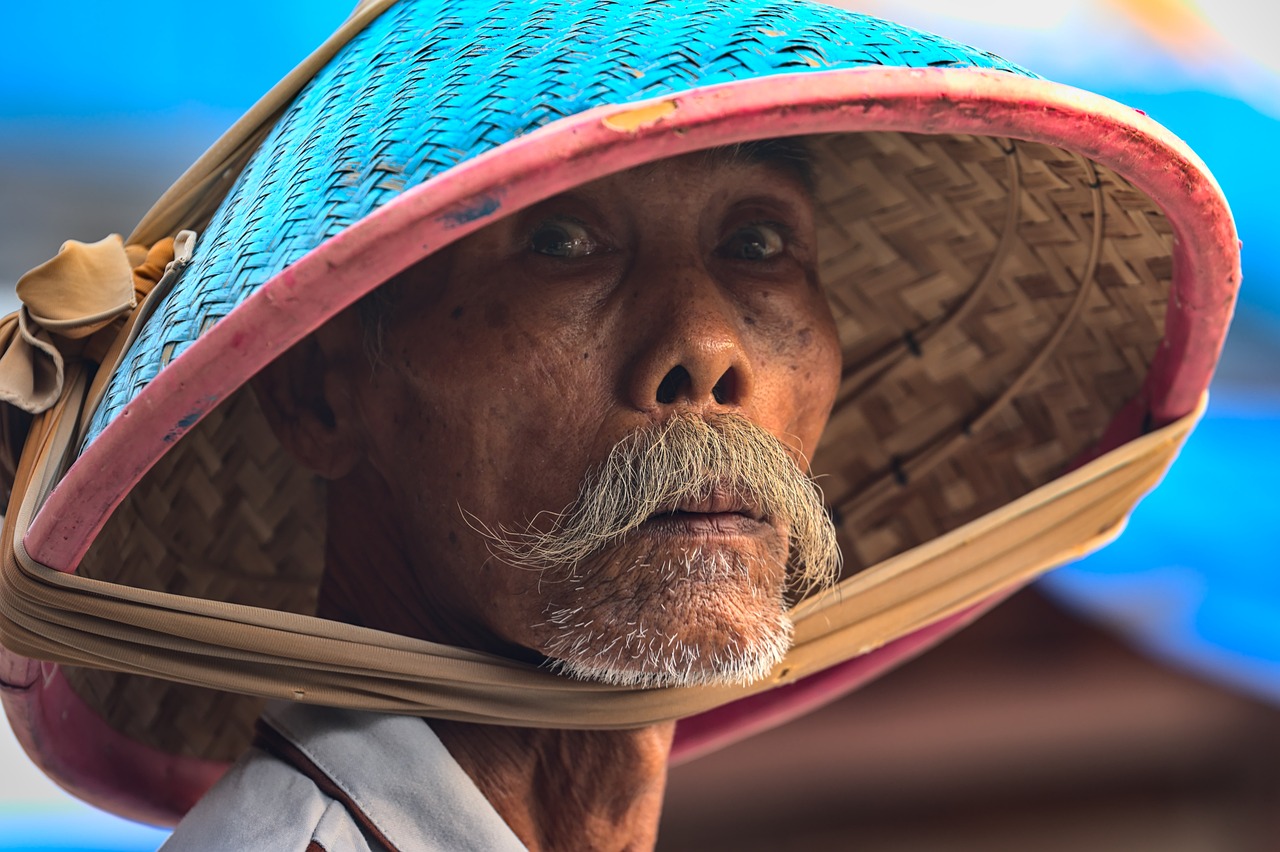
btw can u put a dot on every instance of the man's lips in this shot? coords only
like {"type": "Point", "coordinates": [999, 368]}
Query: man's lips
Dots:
{"type": "Point", "coordinates": [715, 514]}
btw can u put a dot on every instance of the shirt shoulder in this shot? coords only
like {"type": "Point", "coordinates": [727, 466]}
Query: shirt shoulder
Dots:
{"type": "Point", "coordinates": [337, 780]}
{"type": "Point", "coordinates": [263, 804]}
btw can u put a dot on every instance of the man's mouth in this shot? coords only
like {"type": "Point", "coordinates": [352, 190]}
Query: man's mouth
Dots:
{"type": "Point", "coordinates": [718, 513]}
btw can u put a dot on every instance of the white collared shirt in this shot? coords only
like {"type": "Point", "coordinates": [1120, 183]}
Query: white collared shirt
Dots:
{"type": "Point", "coordinates": [391, 787]}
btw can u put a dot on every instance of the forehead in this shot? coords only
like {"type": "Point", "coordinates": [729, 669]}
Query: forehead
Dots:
{"type": "Point", "coordinates": [789, 159]}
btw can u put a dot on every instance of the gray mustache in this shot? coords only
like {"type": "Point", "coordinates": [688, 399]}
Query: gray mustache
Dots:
{"type": "Point", "coordinates": [688, 459]}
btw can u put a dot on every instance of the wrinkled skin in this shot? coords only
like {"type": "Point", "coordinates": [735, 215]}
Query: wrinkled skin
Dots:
{"type": "Point", "coordinates": [511, 363]}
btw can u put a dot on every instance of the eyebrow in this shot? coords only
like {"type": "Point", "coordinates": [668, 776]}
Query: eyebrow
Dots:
{"type": "Point", "coordinates": [792, 154]}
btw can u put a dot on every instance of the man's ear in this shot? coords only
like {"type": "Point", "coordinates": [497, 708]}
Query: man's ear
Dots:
{"type": "Point", "coordinates": [309, 402]}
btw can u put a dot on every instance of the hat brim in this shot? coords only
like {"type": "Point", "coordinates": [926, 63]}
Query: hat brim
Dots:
{"type": "Point", "coordinates": [593, 144]}
{"type": "Point", "coordinates": [428, 217]}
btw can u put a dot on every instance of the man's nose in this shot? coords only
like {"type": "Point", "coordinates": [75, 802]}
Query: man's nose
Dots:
{"type": "Point", "coordinates": [692, 352]}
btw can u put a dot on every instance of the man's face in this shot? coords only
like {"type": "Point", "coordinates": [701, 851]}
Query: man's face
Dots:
{"type": "Point", "coordinates": [514, 362]}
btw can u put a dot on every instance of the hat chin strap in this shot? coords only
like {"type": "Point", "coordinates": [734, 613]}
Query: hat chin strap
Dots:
{"type": "Point", "coordinates": [50, 615]}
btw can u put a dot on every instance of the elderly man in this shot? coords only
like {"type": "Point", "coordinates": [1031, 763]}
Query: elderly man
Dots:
{"type": "Point", "coordinates": [661, 337]}
{"type": "Point", "coordinates": [479, 419]}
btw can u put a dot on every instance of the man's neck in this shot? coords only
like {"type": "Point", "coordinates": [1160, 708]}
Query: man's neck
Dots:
{"type": "Point", "coordinates": [558, 790]}
{"type": "Point", "coordinates": [561, 790]}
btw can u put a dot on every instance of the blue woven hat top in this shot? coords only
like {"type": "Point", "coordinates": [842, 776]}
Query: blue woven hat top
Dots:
{"type": "Point", "coordinates": [431, 84]}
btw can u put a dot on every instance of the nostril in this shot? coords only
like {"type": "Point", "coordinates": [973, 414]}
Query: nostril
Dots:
{"type": "Point", "coordinates": [671, 384]}
{"type": "Point", "coordinates": [723, 389]}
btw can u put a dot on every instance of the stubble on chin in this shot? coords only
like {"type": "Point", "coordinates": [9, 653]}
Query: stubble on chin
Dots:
{"type": "Point", "coordinates": [669, 616]}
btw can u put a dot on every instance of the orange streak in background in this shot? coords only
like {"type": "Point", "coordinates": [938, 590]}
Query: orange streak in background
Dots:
{"type": "Point", "coordinates": [1176, 24]}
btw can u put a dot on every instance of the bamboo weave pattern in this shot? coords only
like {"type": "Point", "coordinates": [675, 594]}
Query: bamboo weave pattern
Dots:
{"type": "Point", "coordinates": [430, 85]}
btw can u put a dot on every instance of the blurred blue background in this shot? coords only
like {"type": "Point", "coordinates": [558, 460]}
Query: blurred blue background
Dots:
{"type": "Point", "coordinates": [103, 105]}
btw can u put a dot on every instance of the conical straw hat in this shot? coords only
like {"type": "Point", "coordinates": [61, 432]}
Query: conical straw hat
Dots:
{"type": "Point", "coordinates": [1031, 285]}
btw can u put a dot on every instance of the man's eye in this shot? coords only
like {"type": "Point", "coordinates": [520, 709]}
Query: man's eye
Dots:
{"type": "Point", "coordinates": [753, 242]}
{"type": "Point", "coordinates": [562, 238]}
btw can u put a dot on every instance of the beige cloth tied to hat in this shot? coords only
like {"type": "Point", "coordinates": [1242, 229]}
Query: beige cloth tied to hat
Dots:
{"type": "Point", "coordinates": [77, 293]}
{"type": "Point", "coordinates": [74, 305]}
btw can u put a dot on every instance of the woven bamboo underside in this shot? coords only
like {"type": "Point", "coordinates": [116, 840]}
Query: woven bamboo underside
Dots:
{"type": "Point", "coordinates": [908, 226]}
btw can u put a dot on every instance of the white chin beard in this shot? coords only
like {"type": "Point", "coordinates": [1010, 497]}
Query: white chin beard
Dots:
{"type": "Point", "coordinates": [636, 662]}
{"type": "Point", "coordinates": [699, 620]}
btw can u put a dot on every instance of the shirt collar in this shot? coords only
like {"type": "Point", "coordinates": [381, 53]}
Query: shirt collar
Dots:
{"type": "Point", "coordinates": [396, 770]}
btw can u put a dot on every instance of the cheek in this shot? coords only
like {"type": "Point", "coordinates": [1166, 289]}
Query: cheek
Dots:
{"type": "Point", "coordinates": [508, 414]}
{"type": "Point", "coordinates": [799, 376]}
{"type": "Point", "coordinates": [825, 363]}
{"type": "Point", "coordinates": [549, 395]}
